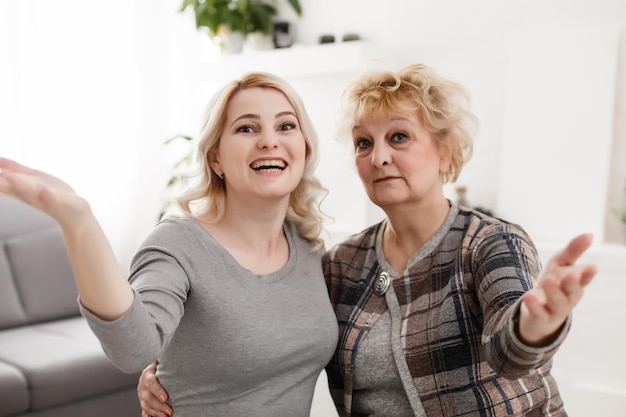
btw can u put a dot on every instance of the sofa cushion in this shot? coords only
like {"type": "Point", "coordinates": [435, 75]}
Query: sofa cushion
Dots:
{"type": "Point", "coordinates": [62, 361]}
{"type": "Point", "coordinates": [23, 218]}
{"type": "Point", "coordinates": [43, 275]}
{"type": "Point", "coordinates": [11, 310]}
{"type": "Point", "coordinates": [13, 391]}
{"type": "Point", "coordinates": [35, 274]}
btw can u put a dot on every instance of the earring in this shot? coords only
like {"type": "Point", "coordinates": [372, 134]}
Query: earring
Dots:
{"type": "Point", "coordinates": [222, 175]}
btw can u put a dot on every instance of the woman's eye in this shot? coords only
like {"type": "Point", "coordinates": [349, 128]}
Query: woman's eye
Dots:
{"type": "Point", "coordinates": [245, 129]}
{"type": "Point", "coordinates": [399, 137]}
{"type": "Point", "coordinates": [287, 126]}
{"type": "Point", "coordinates": [361, 143]}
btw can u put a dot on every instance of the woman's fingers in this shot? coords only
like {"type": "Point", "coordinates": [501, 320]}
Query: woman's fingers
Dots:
{"type": "Point", "coordinates": [563, 288]}
{"type": "Point", "coordinates": [42, 191]}
{"type": "Point", "coordinates": [574, 249]}
{"type": "Point", "coordinates": [12, 165]}
{"type": "Point", "coordinates": [147, 410]}
{"type": "Point", "coordinates": [152, 396]}
{"type": "Point", "coordinates": [546, 307]}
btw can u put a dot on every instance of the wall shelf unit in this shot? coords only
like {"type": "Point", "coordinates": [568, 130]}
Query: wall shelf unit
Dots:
{"type": "Point", "coordinates": [301, 60]}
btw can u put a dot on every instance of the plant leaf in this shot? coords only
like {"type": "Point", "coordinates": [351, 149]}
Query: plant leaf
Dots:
{"type": "Point", "coordinates": [173, 138]}
{"type": "Point", "coordinates": [295, 4]}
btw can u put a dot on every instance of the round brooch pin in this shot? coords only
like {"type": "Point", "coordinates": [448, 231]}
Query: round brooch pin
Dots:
{"type": "Point", "coordinates": [382, 284]}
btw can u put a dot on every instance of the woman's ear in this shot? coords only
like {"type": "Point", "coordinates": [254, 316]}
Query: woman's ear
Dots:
{"type": "Point", "coordinates": [445, 155]}
{"type": "Point", "coordinates": [214, 163]}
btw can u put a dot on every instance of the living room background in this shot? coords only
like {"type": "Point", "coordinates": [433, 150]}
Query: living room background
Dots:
{"type": "Point", "coordinates": [90, 91]}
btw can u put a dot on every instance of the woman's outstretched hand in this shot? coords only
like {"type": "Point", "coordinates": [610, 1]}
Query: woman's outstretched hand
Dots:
{"type": "Point", "coordinates": [42, 191]}
{"type": "Point", "coordinates": [101, 282]}
{"type": "Point", "coordinates": [559, 289]}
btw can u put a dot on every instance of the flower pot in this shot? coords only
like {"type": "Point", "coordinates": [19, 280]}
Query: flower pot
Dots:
{"type": "Point", "coordinates": [230, 42]}
{"type": "Point", "coordinates": [258, 41]}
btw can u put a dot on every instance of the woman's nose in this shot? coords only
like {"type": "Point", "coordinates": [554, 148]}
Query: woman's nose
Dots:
{"type": "Point", "coordinates": [268, 139]}
{"type": "Point", "coordinates": [381, 155]}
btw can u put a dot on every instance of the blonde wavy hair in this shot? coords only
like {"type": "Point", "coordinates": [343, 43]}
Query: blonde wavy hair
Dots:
{"type": "Point", "coordinates": [206, 192]}
{"type": "Point", "coordinates": [441, 105]}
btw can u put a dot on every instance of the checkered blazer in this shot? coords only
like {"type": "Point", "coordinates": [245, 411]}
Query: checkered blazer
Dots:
{"type": "Point", "coordinates": [459, 303]}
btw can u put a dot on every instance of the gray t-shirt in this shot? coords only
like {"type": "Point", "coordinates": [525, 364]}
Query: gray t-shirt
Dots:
{"type": "Point", "coordinates": [229, 342]}
{"type": "Point", "coordinates": [378, 389]}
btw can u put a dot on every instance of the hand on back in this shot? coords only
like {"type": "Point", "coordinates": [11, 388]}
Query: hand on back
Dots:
{"type": "Point", "coordinates": [152, 396]}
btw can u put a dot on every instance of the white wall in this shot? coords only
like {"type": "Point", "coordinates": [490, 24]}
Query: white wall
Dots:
{"type": "Point", "coordinates": [590, 365]}
{"type": "Point", "coordinates": [90, 91]}
{"type": "Point", "coordinates": [126, 77]}
{"type": "Point", "coordinates": [471, 41]}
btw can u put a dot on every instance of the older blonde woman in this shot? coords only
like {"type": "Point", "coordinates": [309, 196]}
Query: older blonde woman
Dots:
{"type": "Point", "coordinates": [438, 305]}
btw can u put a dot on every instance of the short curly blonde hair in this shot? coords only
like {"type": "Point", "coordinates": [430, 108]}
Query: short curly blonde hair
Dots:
{"type": "Point", "coordinates": [441, 105]}
{"type": "Point", "coordinates": [207, 193]}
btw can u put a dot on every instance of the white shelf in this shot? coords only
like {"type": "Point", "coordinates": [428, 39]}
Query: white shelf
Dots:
{"type": "Point", "coordinates": [301, 60]}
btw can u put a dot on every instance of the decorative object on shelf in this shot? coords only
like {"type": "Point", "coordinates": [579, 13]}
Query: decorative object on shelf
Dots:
{"type": "Point", "coordinates": [461, 198]}
{"type": "Point", "coordinates": [228, 19]}
{"type": "Point", "coordinates": [327, 38]}
{"type": "Point", "coordinates": [349, 37]}
{"type": "Point", "coordinates": [282, 35]}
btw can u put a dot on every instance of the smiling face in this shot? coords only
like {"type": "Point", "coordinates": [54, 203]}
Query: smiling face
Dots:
{"type": "Point", "coordinates": [398, 161]}
{"type": "Point", "coordinates": [262, 149]}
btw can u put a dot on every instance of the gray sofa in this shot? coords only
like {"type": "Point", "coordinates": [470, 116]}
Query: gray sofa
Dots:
{"type": "Point", "coordinates": [51, 364]}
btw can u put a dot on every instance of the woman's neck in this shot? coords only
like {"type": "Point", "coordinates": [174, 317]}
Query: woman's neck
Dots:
{"type": "Point", "coordinates": [409, 228]}
{"type": "Point", "coordinates": [254, 236]}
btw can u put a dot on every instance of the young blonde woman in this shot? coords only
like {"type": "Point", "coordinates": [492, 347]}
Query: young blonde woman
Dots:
{"type": "Point", "coordinates": [442, 310]}
{"type": "Point", "coordinates": [229, 296]}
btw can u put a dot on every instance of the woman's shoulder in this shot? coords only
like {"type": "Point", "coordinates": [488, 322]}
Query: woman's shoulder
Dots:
{"type": "Point", "coordinates": [486, 233]}
{"type": "Point", "coordinates": [172, 224]}
{"type": "Point", "coordinates": [481, 225]}
{"type": "Point", "coordinates": [300, 243]}
{"type": "Point", "coordinates": [173, 231]}
{"type": "Point", "coordinates": [362, 242]}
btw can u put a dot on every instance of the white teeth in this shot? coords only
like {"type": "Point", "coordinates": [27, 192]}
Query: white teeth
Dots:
{"type": "Point", "coordinates": [269, 163]}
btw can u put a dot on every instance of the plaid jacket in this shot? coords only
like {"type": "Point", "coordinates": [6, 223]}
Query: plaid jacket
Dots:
{"type": "Point", "coordinates": [458, 304]}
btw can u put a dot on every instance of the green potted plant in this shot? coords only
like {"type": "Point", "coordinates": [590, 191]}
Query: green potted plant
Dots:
{"type": "Point", "coordinates": [182, 164]}
{"type": "Point", "coordinates": [621, 214]}
{"type": "Point", "coordinates": [260, 16]}
{"type": "Point", "coordinates": [227, 19]}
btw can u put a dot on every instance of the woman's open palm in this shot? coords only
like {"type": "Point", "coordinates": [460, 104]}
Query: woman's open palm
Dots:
{"type": "Point", "coordinates": [42, 191]}
{"type": "Point", "coordinates": [559, 289]}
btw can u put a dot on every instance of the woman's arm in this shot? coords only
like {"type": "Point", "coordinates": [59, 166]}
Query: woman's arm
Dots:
{"type": "Point", "coordinates": [101, 282]}
{"type": "Point", "coordinates": [525, 310]}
